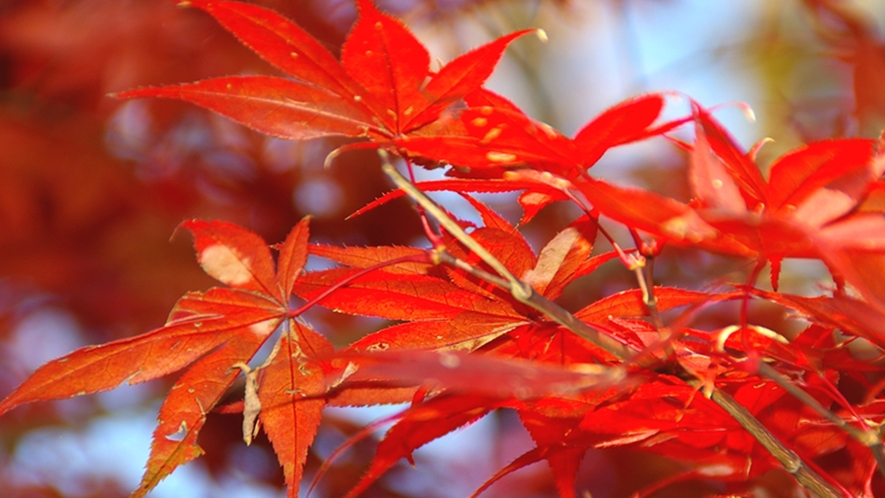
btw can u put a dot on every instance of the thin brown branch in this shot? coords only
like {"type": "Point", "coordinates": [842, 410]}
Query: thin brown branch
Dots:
{"type": "Point", "coordinates": [787, 457]}
{"type": "Point", "coordinates": [523, 293]}
{"type": "Point", "coordinates": [544, 305]}
{"type": "Point", "coordinates": [651, 302]}
{"type": "Point", "coordinates": [868, 438]}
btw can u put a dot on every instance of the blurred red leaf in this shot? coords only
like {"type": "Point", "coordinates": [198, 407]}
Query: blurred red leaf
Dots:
{"type": "Point", "coordinates": [466, 346]}
{"type": "Point", "coordinates": [412, 431]}
{"type": "Point", "coordinates": [497, 135]}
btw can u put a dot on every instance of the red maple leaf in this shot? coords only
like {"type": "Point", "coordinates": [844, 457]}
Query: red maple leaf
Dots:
{"type": "Point", "coordinates": [213, 334]}
{"type": "Point", "coordinates": [497, 134]}
{"type": "Point", "coordinates": [465, 346]}
{"type": "Point", "coordinates": [814, 205]}
{"type": "Point", "coordinates": [381, 89]}
{"type": "Point", "coordinates": [450, 310]}
{"type": "Point", "coordinates": [441, 317]}
{"type": "Point", "coordinates": [808, 208]}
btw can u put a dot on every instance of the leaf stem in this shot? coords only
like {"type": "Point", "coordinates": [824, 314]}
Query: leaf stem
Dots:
{"type": "Point", "coordinates": [868, 438]}
{"type": "Point", "coordinates": [434, 238]}
{"type": "Point", "coordinates": [648, 292]}
{"type": "Point", "coordinates": [544, 305]}
{"type": "Point", "coordinates": [449, 224]}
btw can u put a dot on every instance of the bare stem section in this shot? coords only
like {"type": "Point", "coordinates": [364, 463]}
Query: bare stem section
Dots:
{"type": "Point", "coordinates": [523, 293]}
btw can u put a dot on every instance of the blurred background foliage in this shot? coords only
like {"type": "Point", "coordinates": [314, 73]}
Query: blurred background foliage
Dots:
{"type": "Point", "coordinates": [91, 188]}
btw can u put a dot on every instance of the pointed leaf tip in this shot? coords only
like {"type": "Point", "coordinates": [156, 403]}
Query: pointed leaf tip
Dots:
{"type": "Point", "coordinates": [293, 256]}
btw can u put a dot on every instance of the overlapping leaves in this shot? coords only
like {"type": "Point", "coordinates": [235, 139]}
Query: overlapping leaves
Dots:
{"type": "Point", "coordinates": [381, 89]}
{"type": "Point", "coordinates": [824, 200]}
{"type": "Point", "coordinates": [214, 334]}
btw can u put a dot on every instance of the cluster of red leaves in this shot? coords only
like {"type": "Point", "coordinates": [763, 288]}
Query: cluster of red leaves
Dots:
{"type": "Point", "coordinates": [465, 347]}
{"type": "Point", "coordinates": [854, 40]}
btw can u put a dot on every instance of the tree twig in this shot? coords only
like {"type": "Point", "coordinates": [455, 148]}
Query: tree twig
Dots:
{"type": "Point", "coordinates": [869, 438]}
{"type": "Point", "coordinates": [523, 293]}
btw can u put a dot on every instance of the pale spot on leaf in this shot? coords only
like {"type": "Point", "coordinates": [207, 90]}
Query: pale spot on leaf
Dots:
{"type": "Point", "coordinates": [350, 369]}
{"type": "Point", "coordinates": [263, 329]}
{"type": "Point", "coordinates": [500, 157]}
{"type": "Point", "coordinates": [552, 258]}
{"type": "Point", "coordinates": [548, 130]}
{"type": "Point", "coordinates": [688, 226]}
{"type": "Point", "coordinates": [449, 360]}
{"type": "Point", "coordinates": [223, 263]}
{"type": "Point", "coordinates": [628, 438]}
{"type": "Point", "coordinates": [491, 135]}
{"type": "Point", "coordinates": [767, 332]}
{"type": "Point", "coordinates": [717, 470]}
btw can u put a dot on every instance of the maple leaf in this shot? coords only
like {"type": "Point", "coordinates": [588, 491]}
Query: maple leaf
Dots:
{"type": "Point", "coordinates": [451, 310]}
{"type": "Point", "coordinates": [291, 393]}
{"type": "Point", "coordinates": [467, 347]}
{"type": "Point", "coordinates": [554, 421]}
{"type": "Point", "coordinates": [454, 313]}
{"type": "Point", "coordinates": [497, 134]}
{"type": "Point", "coordinates": [805, 210]}
{"type": "Point", "coordinates": [505, 150]}
{"type": "Point", "coordinates": [813, 205]}
{"type": "Point", "coordinates": [852, 316]}
{"type": "Point", "coordinates": [535, 197]}
{"type": "Point", "coordinates": [213, 333]}
{"type": "Point", "coordinates": [446, 413]}
{"type": "Point", "coordinates": [455, 373]}
{"type": "Point", "coordinates": [380, 89]}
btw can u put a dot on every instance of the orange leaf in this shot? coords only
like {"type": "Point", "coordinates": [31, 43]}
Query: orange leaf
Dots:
{"type": "Point", "coordinates": [284, 44]}
{"type": "Point", "coordinates": [274, 106]}
{"type": "Point", "coordinates": [184, 410]}
{"type": "Point", "coordinates": [290, 408]}
{"type": "Point", "coordinates": [212, 332]}
{"type": "Point", "coordinates": [233, 255]}
{"type": "Point", "coordinates": [293, 257]}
